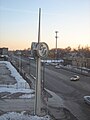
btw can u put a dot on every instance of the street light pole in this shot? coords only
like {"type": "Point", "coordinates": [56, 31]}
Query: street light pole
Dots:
{"type": "Point", "coordinates": [56, 44]}
{"type": "Point", "coordinates": [38, 77]}
{"type": "Point", "coordinates": [39, 50]}
{"type": "Point", "coordinates": [19, 53]}
{"type": "Point", "coordinates": [29, 66]}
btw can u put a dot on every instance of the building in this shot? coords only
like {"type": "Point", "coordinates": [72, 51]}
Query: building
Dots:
{"type": "Point", "coordinates": [88, 62]}
{"type": "Point", "coordinates": [3, 53]}
{"type": "Point", "coordinates": [79, 62]}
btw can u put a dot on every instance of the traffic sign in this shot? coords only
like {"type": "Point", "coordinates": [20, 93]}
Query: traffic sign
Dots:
{"type": "Point", "coordinates": [42, 49]}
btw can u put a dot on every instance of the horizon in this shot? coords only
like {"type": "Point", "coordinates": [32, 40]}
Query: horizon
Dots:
{"type": "Point", "coordinates": [78, 47]}
{"type": "Point", "coordinates": [19, 23]}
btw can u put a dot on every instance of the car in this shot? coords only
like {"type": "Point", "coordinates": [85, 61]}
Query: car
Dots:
{"type": "Point", "coordinates": [74, 78]}
{"type": "Point", "coordinates": [47, 63]}
{"type": "Point", "coordinates": [87, 99]}
{"type": "Point", "coordinates": [57, 66]}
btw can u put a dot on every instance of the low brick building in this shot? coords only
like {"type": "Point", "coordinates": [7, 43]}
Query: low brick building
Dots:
{"type": "Point", "coordinates": [81, 62]}
{"type": "Point", "coordinates": [3, 53]}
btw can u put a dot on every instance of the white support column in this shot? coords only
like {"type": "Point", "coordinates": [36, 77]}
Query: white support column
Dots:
{"type": "Point", "coordinates": [38, 78]}
{"type": "Point", "coordinates": [38, 88]}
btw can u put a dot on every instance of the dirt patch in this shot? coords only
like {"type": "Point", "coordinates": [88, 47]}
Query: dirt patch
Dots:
{"type": "Point", "coordinates": [4, 94]}
{"type": "Point", "coordinates": [15, 95]}
{"type": "Point", "coordinates": [2, 112]}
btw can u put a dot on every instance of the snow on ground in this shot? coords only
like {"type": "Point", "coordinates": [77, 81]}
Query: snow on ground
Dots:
{"type": "Point", "coordinates": [28, 93]}
{"type": "Point", "coordinates": [20, 81]}
{"type": "Point", "coordinates": [18, 116]}
{"type": "Point", "coordinates": [27, 96]}
{"type": "Point", "coordinates": [21, 85]}
{"type": "Point", "coordinates": [13, 90]}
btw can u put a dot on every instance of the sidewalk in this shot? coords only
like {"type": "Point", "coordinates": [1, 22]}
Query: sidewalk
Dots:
{"type": "Point", "coordinates": [57, 109]}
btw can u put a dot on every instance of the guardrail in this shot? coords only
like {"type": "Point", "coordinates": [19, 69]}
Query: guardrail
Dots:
{"type": "Point", "coordinates": [28, 78]}
{"type": "Point", "coordinates": [77, 70]}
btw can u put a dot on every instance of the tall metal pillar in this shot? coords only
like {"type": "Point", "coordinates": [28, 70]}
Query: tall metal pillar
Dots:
{"type": "Point", "coordinates": [56, 44]}
{"type": "Point", "coordinates": [38, 77]}
{"type": "Point", "coordinates": [39, 50]}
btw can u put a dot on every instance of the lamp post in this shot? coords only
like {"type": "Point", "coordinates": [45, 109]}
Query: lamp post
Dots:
{"type": "Point", "coordinates": [19, 53]}
{"type": "Point", "coordinates": [38, 76]}
{"type": "Point", "coordinates": [29, 66]}
{"type": "Point", "coordinates": [39, 50]}
{"type": "Point", "coordinates": [56, 44]}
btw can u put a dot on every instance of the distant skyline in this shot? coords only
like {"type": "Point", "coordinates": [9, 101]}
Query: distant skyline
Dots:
{"type": "Point", "coordinates": [19, 23]}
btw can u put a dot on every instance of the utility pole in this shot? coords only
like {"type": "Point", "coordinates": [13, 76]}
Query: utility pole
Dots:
{"type": "Point", "coordinates": [38, 77]}
{"type": "Point", "coordinates": [19, 65]}
{"type": "Point", "coordinates": [56, 44]}
{"type": "Point", "coordinates": [39, 50]}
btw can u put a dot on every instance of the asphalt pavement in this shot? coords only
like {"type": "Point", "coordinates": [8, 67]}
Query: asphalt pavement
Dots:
{"type": "Point", "coordinates": [65, 102]}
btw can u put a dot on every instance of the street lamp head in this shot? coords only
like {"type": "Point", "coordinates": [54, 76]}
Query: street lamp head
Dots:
{"type": "Point", "coordinates": [56, 31]}
{"type": "Point", "coordinates": [56, 34]}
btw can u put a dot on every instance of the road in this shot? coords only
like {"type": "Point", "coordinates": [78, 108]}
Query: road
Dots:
{"type": "Point", "coordinates": [72, 92]}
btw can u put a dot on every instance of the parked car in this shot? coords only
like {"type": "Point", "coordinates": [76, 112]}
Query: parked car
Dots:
{"type": "Point", "coordinates": [74, 78]}
{"type": "Point", "coordinates": [87, 99]}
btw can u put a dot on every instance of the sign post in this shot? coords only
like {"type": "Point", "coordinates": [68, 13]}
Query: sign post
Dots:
{"type": "Point", "coordinates": [38, 76]}
{"type": "Point", "coordinates": [39, 50]}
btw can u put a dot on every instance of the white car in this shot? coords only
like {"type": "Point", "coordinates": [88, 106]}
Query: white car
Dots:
{"type": "Point", "coordinates": [87, 99]}
{"type": "Point", "coordinates": [57, 66]}
{"type": "Point", "coordinates": [74, 78]}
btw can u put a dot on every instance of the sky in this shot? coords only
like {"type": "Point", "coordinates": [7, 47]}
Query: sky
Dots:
{"type": "Point", "coordinates": [19, 23]}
